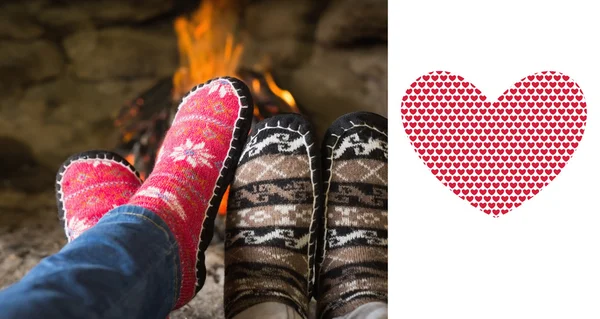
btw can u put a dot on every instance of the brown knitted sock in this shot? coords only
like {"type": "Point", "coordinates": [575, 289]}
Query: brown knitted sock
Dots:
{"type": "Point", "coordinates": [271, 218]}
{"type": "Point", "coordinates": [352, 259]}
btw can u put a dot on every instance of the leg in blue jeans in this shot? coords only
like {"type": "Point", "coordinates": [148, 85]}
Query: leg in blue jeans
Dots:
{"type": "Point", "coordinates": [127, 266]}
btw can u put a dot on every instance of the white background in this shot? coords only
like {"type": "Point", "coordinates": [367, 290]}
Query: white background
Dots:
{"type": "Point", "coordinates": [448, 259]}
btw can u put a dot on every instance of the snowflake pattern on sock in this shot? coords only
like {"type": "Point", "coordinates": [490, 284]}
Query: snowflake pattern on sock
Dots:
{"type": "Point", "coordinates": [194, 166]}
{"type": "Point", "coordinates": [90, 184]}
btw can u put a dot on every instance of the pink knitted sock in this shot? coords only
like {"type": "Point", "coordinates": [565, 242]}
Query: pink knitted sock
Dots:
{"type": "Point", "coordinates": [193, 168]}
{"type": "Point", "coordinates": [90, 184]}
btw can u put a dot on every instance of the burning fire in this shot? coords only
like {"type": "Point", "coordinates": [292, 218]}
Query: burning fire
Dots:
{"type": "Point", "coordinates": [208, 48]}
{"type": "Point", "coordinates": [283, 94]}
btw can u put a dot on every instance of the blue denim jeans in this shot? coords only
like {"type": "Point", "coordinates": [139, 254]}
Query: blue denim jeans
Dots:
{"type": "Point", "coordinates": [127, 266]}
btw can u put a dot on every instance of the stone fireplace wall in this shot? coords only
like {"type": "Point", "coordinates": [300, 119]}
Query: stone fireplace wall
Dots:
{"type": "Point", "coordinates": [66, 67]}
{"type": "Point", "coordinates": [332, 55]}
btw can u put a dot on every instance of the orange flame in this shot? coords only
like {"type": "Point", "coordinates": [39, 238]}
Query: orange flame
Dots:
{"type": "Point", "coordinates": [283, 94]}
{"type": "Point", "coordinates": [207, 47]}
{"type": "Point", "coordinates": [223, 205]}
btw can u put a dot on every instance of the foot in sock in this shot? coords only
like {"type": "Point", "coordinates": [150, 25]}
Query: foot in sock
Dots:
{"type": "Point", "coordinates": [271, 218]}
{"type": "Point", "coordinates": [352, 257]}
{"type": "Point", "coordinates": [90, 184]}
{"type": "Point", "coordinates": [194, 166]}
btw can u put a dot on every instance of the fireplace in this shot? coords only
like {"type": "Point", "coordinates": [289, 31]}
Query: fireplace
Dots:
{"type": "Point", "coordinates": [106, 74]}
{"type": "Point", "coordinates": [209, 46]}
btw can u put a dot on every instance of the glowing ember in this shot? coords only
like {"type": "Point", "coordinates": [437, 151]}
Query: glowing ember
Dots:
{"type": "Point", "coordinates": [130, 158]}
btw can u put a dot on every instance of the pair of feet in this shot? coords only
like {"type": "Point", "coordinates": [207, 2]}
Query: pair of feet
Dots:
{"type": "Point", "coordinates": [306, 221]}
{"type": "Point", "coordinates": [198, 160]}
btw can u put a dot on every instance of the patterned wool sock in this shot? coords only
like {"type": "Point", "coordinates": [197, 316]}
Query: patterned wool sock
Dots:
{"type": "Point", "coordinates": [90, 184]}
{"type": "Point", "coordinates": [271, 218]}
{"type": "Point", "coordinates": [352, 259]}
{"type": "Point", "coordinates": [193, 168]}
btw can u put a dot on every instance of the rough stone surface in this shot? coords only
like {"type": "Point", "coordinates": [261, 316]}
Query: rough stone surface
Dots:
{"type": "Point", "coordinates": [65, 20]}
{"type": "Point", "coordinates": [271, 19]}
{"type": "Point", "coordinates": [19, 169]}
{"type": "Point", "coordinates": [119, 11]}
{"type": "Point", "coordinates": [30, 7]}
{"type": "Point", "coordinates": [334, 83]}
{"type": "Point", "coordinates": [18, 27]}
{"type": "Point", "coordinates": [282, 53]}
{"type": "Point", "coordinates": [121, 52]}
{"type": "Point", "coordinates": [279, 33]}
{"type": "Point", "coordinates": [28, 62]}
{"type": "Point", "coordinates": [13, 155]}
{"type": "Point", "coordinates": [66, 116]}
{"type": "Point", "coordinates": [208, 303]}
{"type": "Point", "coordinates": [17, 21]}
{"type": "Point", "coordinates": [348, 21]}
{"type": "Point", "coordinates": [29, 231]}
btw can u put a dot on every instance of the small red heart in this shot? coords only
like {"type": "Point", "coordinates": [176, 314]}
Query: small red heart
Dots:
{"type": "Point", "coordinates": [495, 155]}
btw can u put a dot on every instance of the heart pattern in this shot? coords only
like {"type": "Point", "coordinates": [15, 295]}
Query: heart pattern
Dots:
{"type": "Point", "coordinates": [495, 155]}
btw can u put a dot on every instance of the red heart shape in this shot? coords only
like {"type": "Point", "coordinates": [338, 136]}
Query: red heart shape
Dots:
{"type": "Point", "coordinates": [495, 155]}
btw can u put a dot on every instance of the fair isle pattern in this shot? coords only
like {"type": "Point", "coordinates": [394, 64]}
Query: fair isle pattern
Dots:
{"type": "Point", "coordinates": [194, 166]}
{"type": "Point", "coordinates": [352, 265]}
{"type": "Point", "coordinates": [271, 218]}
{"type": "Point", "coordinates": [90, 184]}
